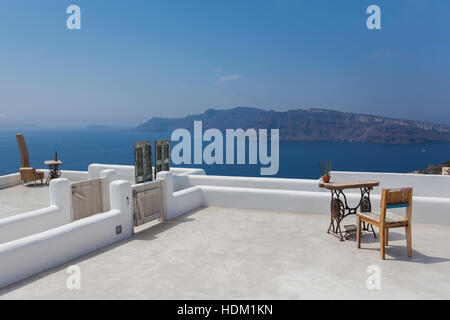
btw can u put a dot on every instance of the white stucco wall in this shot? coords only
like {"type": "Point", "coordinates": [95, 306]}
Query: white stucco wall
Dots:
{"type": "Point", "coordinates": [122, 171]}
{"type": "Point", "coordinates": [252, 182]}
{"type": "Point", "coordinates": [303, 195]}
{"type": "Point", "coordinates": [13, 179]}
{"type": "Point", "coordinates": [9, 180]}
{"type": "Point", "coordinates": [179, 202]}
{"type": "Point", "coordinates": [27, 256]}
{"type": "Point", "coordinates": [426, 185]}
{"type": "Point", "coordinates": [73, 175]}
{"type": "Point", "coordinates": [31, 222]}
{"type": "Point", "coordinates": [127, 172]}
{"type": "Point", "coordinates": [266, 199]}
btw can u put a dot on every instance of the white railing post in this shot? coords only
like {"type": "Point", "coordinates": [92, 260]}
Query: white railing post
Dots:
{"type": "Point", "coordinates": [108, 176]}
{"type": "Point", "coordinates": [60, 196]}
{"type": "Point", "coordinates": [120, 199]}
{"type": "Point", "coordinates": [166, 180]}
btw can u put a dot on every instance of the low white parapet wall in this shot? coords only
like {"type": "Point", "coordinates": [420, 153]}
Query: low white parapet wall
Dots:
{"type": "Point", "coordinates": [178, 202]}
{"type": "Point", "coordinates": [30, 255]}
{"type": "Point", "coordinates": [74, 175]}
{"type": "Point", "coordinates": [126, 172]}
{"type": "Point", "coordinates": [424, 185]}
{"type": "Point", "coordinates": [9, 180]}
{"type": "Point", "coordinates": [251, 182]}
{"type": "Point", "coordinates": [267, 199]}
{"type": "Point", "coordinates": [431, 193]}
{"type": "Point", "coordinates": [31, 222]}
{"type": "Point", "coordinates": [302, 195]}
{"type": "Point", "coordinates": [13, 179]}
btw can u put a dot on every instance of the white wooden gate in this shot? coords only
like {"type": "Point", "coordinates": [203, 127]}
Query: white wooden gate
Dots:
{"type": "Point", "coordinates": [148, 202]}
{"type": "Point", "coordinates": [89, 197]}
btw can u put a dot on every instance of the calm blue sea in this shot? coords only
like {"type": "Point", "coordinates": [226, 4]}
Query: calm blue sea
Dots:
{"type": "Point", "coordinates": [77, 148]}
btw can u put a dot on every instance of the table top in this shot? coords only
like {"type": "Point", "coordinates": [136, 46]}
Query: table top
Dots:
{"type": "Point", "coordinates": [53, 163]}
{"type": "Point", "coordinates": [341, 185]}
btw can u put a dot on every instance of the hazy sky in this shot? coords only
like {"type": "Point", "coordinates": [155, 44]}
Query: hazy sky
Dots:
{"type": "Point", "coordinates": [133, 60]}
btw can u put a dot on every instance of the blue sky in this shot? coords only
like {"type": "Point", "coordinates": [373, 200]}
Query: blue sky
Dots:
{"type": "Point", "coordinates": [133, 60]}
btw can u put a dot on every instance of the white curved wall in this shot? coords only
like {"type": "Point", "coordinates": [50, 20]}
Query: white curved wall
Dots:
{"type": "Point", "coordinates": [28, 223]}
{"type": "Point", "coordinates": [179, 202]}
{"type": "Point", "coordinates": [27, 256]}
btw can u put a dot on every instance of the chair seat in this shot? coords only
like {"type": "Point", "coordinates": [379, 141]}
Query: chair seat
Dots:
{"type": "Point", "coordinates": [30, 174]}
{"type": "Point", "coordinates": [39, 175]}
{"type": "Point", "coordinates": [391, 218]}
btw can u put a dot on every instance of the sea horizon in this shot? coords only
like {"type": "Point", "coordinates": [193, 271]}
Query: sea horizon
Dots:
{"type": "Point", "coordinates": [79, 147]}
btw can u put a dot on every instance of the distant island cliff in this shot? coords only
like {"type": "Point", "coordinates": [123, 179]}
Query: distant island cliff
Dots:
{"type": "Point", "coordinates": [312, 125]}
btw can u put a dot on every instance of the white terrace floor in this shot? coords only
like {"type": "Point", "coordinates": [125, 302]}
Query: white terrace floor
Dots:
{"type": "Point", "coordinates": [217, 253]}
{"type": "Point", "coordinates": [23, 198]}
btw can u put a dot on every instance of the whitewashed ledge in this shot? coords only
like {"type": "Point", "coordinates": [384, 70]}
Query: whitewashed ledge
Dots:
{"type": "Point", "coordinates": [13, 179]}
{"type": "Point", "coordinates": [9, 180]}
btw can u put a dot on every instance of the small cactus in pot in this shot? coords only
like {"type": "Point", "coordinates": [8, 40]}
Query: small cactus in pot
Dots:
{"type": "Point", "coordinates": [325, 169]}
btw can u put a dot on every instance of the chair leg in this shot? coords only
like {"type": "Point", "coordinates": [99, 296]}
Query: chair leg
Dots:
{"type": "Point", "coordinates": [358, 232]}
{"type": "Point", "coordinates": [386, 237]}
{"type": "Point", "coordinates": [382, 244]}
{"type": "Point", "coordinates": [408, 240]}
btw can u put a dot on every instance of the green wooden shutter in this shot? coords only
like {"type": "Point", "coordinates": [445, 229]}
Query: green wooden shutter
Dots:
{"type": "Point", "coordinates": [162, 156]}
{"type": "Point", "coordinates": [143, 161]}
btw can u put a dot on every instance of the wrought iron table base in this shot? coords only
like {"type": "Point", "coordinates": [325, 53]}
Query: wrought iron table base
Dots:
{"type": "Point", "coordinates": [53, 173]}
{"type": "Point", "coordinates": [340, 209]}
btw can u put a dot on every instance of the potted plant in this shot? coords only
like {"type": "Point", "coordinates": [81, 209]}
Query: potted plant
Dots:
{"type": "Point", "coordinates": [325, 169]}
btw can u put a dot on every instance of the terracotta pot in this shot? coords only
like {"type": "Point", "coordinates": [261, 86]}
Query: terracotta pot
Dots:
{"type": "Point", "coordinates": [326, 179]}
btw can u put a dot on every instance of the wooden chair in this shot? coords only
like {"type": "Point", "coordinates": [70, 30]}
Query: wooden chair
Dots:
{"type": "Point", "coordinates": [27, 173]}
{"type": "Point", "coordinates": [384, 220]}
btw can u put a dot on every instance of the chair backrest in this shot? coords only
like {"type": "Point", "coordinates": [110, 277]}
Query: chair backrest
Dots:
{"type": "Point", "coordinates": [396, 198]}
{"type": "Point", "coordinates": [25, 161]}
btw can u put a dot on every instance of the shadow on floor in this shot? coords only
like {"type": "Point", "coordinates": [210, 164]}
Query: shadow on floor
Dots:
{"type": "Point", "coordinates": [38, 185]}
{"type": "Point", "coordinates": [367, 237]}
{"type": "Point", "coordinates": [152, 232]}
{"type": "Point", "coordinates": [397, 252]}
